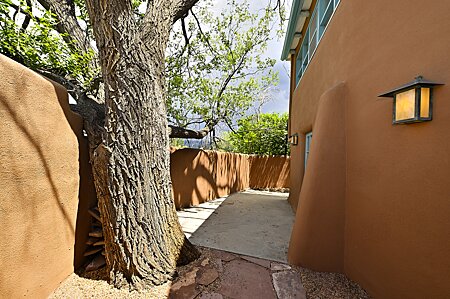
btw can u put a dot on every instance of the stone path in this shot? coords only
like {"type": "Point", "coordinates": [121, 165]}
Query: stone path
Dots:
{"type": "Point", "coordinates": [254, 223]}
{"type": "Point", "coordinates": [219, 274]}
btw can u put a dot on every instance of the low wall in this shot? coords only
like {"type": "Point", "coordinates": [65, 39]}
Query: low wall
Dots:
{"type": "Point", "coordinates": [269, 172]}
{"type": "Point", "coordinates": [199, 176]}
{"type": "Point", "coordinates": [39, 183]}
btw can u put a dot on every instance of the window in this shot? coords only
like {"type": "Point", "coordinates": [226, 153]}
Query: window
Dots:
{"type": "Point", "coordinates": [319, 20]}
{"type": "Point", "coordinates": [308, 140]}
{"type": "Point", "coordinates": [313, 33]}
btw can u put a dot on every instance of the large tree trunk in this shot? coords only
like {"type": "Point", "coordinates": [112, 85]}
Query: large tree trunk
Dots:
{"type": "Point", "coordinates": [143, 237]}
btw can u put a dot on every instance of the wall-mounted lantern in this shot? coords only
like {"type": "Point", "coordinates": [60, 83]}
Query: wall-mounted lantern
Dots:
{"type": "Point", "coordinates": [413, 101]}
{"type": "Point", "coordinates": [293, 139]}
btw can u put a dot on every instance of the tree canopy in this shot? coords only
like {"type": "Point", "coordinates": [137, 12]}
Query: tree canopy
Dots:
{"type": "Point", "coordinates": [218, 73]}
{"type": "Point", "coordinates": [263, 134]}
{"type": "Point", "coordinates": [214, 67]}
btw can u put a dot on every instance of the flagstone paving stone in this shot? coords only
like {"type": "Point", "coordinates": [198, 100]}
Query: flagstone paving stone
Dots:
{"type": "Point", "coordinates": [287, 284]}
{"type": "Point", "coordinates": [220, 274]}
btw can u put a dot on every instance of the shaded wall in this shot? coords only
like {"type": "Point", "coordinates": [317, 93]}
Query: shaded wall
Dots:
{"type": "Point", "coordinates": [199, 176]}
{"type": "Point", "coordinates": [39, 183]}
{"type": "Point", "coordinates": [269, 172]}
{"type": "Point", "coordinates": [396, 220]}
{"type": "Point", "coordinates": [321, 214]}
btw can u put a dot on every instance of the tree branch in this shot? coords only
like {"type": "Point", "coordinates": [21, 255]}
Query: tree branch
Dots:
{"type": "Point", "coordinates": [181, 8]}
{"type": "Point", "coordinates": [68, 23]}
{"type": "Point", "coordinates": [27, 20]}
{"type": "Point", "coordinates": [183, 28]}
{"type": "Point", "coordinates": [203, 34]}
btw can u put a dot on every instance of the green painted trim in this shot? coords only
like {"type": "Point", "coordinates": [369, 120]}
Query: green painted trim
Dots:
{"type": "Point", "coordinates": [293, 17]}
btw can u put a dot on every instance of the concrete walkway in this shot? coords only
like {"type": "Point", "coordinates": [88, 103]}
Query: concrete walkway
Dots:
{"type": "Point", "coordinates": [253, 223]}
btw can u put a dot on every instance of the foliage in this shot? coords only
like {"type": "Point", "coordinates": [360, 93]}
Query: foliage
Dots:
{"type": "Point", "coordinates": [263, 134]}
{"type": "Point", "coordinates": [218, 73]}
{"type": "Point", "coordinates": [214, 66]}
{"type": "Point", "coordinates": [177, 142]}
{"type": "Point", "coordinates": [39, 46]}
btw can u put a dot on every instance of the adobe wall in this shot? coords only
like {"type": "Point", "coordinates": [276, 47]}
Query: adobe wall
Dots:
{"type": "Point", "coordinates": [269, 172]}
{"type": "Point", "coordinates": [396, 218]}
{"type": "Point", "coordinates": [321, 214]}
{"type": "Point", "coordinates": [199, 176]}
{"type": "Point", "coordinates": [39, 185]}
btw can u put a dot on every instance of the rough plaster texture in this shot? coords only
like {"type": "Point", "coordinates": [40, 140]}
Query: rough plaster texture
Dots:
{"type": "Point", "coordinates": [39, 183]}
{"type": "Point", "coordinates": [396, 224]}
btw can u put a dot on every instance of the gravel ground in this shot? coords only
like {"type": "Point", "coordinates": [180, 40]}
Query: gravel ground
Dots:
{"type": "Point", "coordinates": [321, 285]}
{"type": "Point", "coordinates": [318, 285]}
{"type": "Point", "coordinates": [94, 285]}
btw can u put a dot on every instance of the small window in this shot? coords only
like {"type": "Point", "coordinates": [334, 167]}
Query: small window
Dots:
{"type": "Point", "coordinates": [308, 140]}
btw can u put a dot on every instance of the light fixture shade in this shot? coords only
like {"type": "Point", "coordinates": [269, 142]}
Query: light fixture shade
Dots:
{"type": "Point", "coordinates": [293, 139]}
{"type": "Point", "coordinates": [412, 101]}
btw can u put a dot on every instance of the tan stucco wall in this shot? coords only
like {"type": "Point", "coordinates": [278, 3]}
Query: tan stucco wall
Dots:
{"type": "Point", "coordinates": [269, 172]}
{"type": "Point", "coordinates": [39, 183]}
{"type": "Point", "coordinates": [397, 203]}
{"type": "Point", "coordinates": [321, 214]}
{"type": "Point", "coordinates": [199, 176]}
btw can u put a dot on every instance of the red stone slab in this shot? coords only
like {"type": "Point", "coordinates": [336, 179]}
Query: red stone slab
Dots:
{"type": "Point", "coordinates": [258, 261]}
{"type": "Point", "coordinates": [243, 280]}
{"type": "Point", "coordinates": [206, 276]}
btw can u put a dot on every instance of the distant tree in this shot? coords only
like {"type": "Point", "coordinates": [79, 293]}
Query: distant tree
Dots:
{"type": "Point", "coordinates": [263, 134]}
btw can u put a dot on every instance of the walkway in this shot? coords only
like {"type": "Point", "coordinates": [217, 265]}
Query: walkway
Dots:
{"type": "Point", "coordinates": [253, 223]}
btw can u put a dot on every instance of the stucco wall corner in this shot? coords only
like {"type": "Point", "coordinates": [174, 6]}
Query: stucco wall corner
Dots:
{"type": "Point", "coordinates": [317, 239]}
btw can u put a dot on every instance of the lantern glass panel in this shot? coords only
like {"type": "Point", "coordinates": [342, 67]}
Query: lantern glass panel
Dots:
{"type": "Point", "coordinates": [425, 102]}
{"type": "Point", "coordinates": [405, 103]}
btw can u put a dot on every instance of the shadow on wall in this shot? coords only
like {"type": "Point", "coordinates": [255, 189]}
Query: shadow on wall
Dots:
{"type": "Point", "coordinates": [87, 197]}
{"type": "Point", "coordinates": [36, 145]}
{"type": "Point", "coordinates": [269, 172]}
{"type": "Point", "coordinates": [39, 184]}
{"type": "Point", "coordinates": [199, 176]}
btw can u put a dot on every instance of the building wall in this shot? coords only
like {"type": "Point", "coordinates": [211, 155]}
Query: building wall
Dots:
{"type": "Point", "coordinates": [395, 178]}
{"type": "Point", "coordinates": [39, 183]}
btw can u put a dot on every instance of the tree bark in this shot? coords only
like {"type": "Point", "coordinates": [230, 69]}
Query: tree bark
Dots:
{"type": "Point", "coordinates": [143, 238]}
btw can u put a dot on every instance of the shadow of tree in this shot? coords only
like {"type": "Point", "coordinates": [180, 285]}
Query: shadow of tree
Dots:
{"type": "Point", "coordinates": [40, 153]}
{"type": "Point", "coordinates": [269, 171]}
{"type": "Point", "coordinates": [199, 176]}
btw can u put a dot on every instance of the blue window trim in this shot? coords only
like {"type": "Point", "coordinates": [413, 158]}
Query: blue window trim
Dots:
{"type": "Point", "coordinates": [322, 15]}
